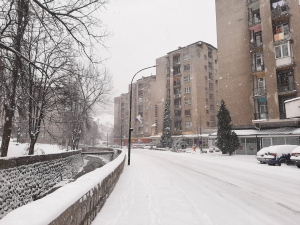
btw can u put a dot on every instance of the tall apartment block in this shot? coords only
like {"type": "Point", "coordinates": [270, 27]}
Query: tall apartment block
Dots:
{"type": "Point", "coordinates": [259, 58]}
{"type": "Point", "coordinates": [188, 79]}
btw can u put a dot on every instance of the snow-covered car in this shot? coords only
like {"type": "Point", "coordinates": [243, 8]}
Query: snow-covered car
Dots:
{"type": "Point", "coordinates": [260, 155]}
{"type": "Point", "coordinates": [295, 156]}
{"type": "Point", "coordinates": [279, 154]}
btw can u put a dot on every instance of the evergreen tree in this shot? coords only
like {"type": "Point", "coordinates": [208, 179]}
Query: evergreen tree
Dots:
{"type": "Point", "coordinates": [166, 138]}
{"type": "Point", "coordinates": [227, 140]}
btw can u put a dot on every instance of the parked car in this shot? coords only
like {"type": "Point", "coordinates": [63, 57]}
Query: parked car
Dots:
{"type": "Point", "coordinates": [260, 155]}
{"type": "Point", "coordinates": [279, 154]}
{"type": "Point", "coordinates": [295, 156]}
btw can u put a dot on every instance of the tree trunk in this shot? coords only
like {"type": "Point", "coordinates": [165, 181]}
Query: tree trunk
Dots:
{"type": "Point", "coordinates": [10, 104]}
{"type": "Point", "coordinates": [31, 146]}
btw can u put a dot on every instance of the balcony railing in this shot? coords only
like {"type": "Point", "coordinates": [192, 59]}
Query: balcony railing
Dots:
{"type": "Point", "coordinates": [255, 45]}
{"type": "Point", "coordinates": [281, 36]}
{"type": "Point", "coordinates": [280, 11]}
{"type": "Point", "coordinates": [253, 21]}
{"type": "Point", "coordinates": [251, 1]}
{"type": "Point", "coordinates": [177, 95]}
{"type": "Point", "coordinates": [177, 106]}
{"type": "Point", "coordinates": [261, 116]}
{"type": "Point", "coordinates": [178, 118]}
{"type": "Point", "coordinates": [176, 84]}
{"type": "Point", "coordinates": [257, 68]}
{"type": "Point", "coordinates": [287, 87]}
{"type": "Point", "coordinates": [261, 91]}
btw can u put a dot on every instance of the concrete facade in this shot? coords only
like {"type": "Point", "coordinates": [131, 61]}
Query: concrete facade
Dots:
{"type": "Point", "coordinates": [258, 58]}
{"type": "Point", "coordinates": [188, 78]}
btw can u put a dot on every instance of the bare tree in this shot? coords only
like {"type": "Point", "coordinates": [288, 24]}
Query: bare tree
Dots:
{"type": "Point", "coordinates": [88, 87]}
{"type": "Point", "coordinates": [76, 19]}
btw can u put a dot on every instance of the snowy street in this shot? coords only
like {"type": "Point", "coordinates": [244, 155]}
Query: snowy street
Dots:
{"type": "Point", "coordinates": [170, 188]}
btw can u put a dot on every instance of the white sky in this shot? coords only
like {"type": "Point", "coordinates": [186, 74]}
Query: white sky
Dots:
{"type": "Point", "coordinates": [144, 30]}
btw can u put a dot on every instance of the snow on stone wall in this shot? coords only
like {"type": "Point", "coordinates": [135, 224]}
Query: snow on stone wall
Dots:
{"type": "Point", "coordinates": [27, 178]}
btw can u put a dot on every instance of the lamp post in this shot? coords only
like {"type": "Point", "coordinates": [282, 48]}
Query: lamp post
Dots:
{"type": "Point", "coordinates": [130, 108]}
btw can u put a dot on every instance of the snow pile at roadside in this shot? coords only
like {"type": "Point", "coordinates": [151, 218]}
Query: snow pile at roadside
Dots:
{"type": "Point", "coordinates": [45, 210]}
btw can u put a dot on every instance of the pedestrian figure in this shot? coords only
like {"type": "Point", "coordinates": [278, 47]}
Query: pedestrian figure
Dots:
{"type": "Point", "coordinates": [194, 148]}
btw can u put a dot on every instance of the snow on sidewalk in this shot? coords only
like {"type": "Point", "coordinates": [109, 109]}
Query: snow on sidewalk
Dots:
{"type": "Point", "coordinates": [144, 195]}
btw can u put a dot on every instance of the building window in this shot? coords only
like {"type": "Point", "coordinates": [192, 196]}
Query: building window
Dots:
{"type": "Point", "coordinates": [216, 81]}
{"type": "Point", "coordinates": [205, 56]}
{"type": "Point", "coordinates": [186, 67]}
{"type": "Point", "coordinates": [210, 75]}
{"type": "Point", "coordinates": [216, 61]}
{"type": "Point", "coordinates": [205, 78]}
{"type": "Point", "coordinates": [207, 112]}
{"type": "Point", "coordinates": [209, 53]}
{"type": "Point", "coordinates": [211, 96]}
{"type": "Point", "coordinates": [156, 111]}
{"type": "Point", "coordinates": [211, 107]}
{"type": "Point", "coordinates": [210, 65]}
{"type": "Point", "coordinates": [176, 59]}
{"type": "Point", "coordinates": [188, 124]}
{"type": "Point", "coordinates": [205, 67]}
{"type": "Point", "coordinates": [207, 124]}
{"type": "Point", "coordinates": [282, 51]}
{"type": "Point", "coordinates": [187, 90]}
{"type": "Point", "coordinates": [186, 79]}
{"type": "Point", "coordinates": [187, 112]}
{"type": "Point", "coordinates": [176, 70]}
{"type": "Point", "coordinates": [187, 101]}
{"type": "Point", "coordinates": [211, 87]}
{"type": "Point", "coordinates": [186, 56]}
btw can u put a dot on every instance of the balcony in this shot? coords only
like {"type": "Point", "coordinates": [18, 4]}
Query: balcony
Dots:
{"type": "Point", "coordinates": [261, 116]}
{"type": "Point", "coordinates": [168, 86]}
{"type": "Point", "coordinates": [251, 1]}
{"type": "Point", "coordinates": [258, 92]}
{"type": "Point", "coordinates": [178, 118]}
{"type": "Point", "coordinates": [177, 84]}
{"type": "Point", "coordinates": [287, 89]}
{"type": "Point", "coordinates": [256, 45]}
{"type": "Point", "coordinates": [280, 13]}
{"type": "Point", "coordinates": [177, 96]}
{"type": "Point", "coordinates": [257, 68]}
{"type": "Point", "coordinates": [253, 21]}
{"type": "Point", "coordinates": [284, 62]}
{"type": "Point", "coordinates": [177, 106]}
{"type": "Point", "coordinates": [281, 36]}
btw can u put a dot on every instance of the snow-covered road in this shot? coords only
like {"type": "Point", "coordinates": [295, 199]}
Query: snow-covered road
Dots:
{"type": "Point", "coordinates": [182, 188]}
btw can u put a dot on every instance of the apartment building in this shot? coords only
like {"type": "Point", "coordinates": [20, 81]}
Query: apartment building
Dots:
{"type": "Point", "coordinates": [259, 54]}
{"type": "Point", "coordinates": [121, 117]}
{"type": "Point", "coordinates": [143, 119]}
{"type": "Point", "coordinates": [188, 78]}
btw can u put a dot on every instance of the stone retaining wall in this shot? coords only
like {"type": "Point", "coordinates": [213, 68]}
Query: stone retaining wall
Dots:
{"type": "Point", "coordinates": [25, 179]}
{"type": "Point", "coordinates": [85, 209]}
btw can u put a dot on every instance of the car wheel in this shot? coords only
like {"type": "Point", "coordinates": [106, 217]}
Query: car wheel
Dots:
{"type": "Point", "coordinates": [298, 166]}
{"type": "Point", "coordinates": [281, 161]}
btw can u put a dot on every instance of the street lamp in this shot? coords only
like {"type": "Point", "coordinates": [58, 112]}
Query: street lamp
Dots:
{"type": "Point", "coordinates": [130, 107]}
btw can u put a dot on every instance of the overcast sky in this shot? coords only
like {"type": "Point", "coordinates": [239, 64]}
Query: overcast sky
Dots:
{"type": "Point", "coordinates": [144, 30]}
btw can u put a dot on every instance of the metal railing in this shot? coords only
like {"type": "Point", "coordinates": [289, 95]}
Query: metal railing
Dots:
{"type": "Point", "coordinates": [261, 91]}
{"type": "Point", "coordinates": [251, 1]}
{"type": "Point", "coordinates": [253, 21]}
{"type": "Point", "coordinates": [260, 116]}
{"type": "Point", "coordinates": [257, 68]}
{"type": "Point", "coordinates": [280, 11]}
